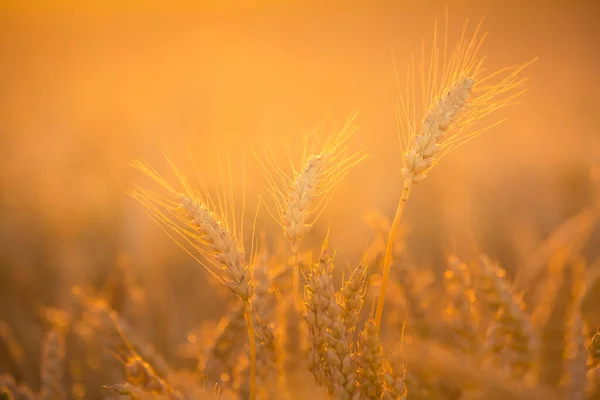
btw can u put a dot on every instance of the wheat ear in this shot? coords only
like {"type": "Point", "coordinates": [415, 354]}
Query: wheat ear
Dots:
{"type": "Point", "coordinates": [202, 227]}
{"type": "Point", "coordinates": [352, 296]}
{"type": "Point", "coordinates": [331, 361]}
{"type": "Point", "coordinates": [300, 196]}
{"type": "Point", "coordinates": [370, 363]}
{"type": "Point", "coordinates": [455, 96]}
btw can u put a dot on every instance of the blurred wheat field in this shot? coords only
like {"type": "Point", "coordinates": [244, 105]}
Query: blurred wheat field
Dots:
{"type": "Point", "coordinates": [97, 302]}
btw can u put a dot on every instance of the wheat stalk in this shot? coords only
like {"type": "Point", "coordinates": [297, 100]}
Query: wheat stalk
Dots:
{"type": "Point", "coordinates": [455, 95]}
{"type": "Point", "coordinates": [53, 366]}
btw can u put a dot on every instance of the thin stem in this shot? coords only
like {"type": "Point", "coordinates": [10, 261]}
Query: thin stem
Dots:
{"type": "Point", "coordinates": [252, 340]}
{"type": "Point", "coordinates": [296, 277]}
{"type": "Point", "coordinates": [389, 249]}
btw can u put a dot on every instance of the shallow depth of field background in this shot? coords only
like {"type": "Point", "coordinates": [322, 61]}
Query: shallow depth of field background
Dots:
{"type": "Point", "coordinates": [84, 90]}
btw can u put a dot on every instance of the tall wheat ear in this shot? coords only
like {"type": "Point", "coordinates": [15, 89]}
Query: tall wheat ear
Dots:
{"type": "Point", "coordinates": [444, 105]}
{"type": "Point", "coordinates": [207, 230]}
{"type": "Point", "coordinates": [300, 196]}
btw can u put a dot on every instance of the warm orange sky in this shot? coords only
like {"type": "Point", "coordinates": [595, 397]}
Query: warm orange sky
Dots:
{"type": "Point", "coordinates": [86, 89]}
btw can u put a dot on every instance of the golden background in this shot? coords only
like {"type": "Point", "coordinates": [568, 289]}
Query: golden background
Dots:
{"type": "Point", "coordinates": [85, 89]}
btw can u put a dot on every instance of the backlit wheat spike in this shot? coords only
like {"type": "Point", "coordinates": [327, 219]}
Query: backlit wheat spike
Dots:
{"type": "Point", "coordinates": [352, 296]}
{"type": "Point", "coordinates": [330, 358]}
{"type": "Point", "coordinates": [454, 94]}
{"type": "Point", "coordinates": [319, 295]}
{"type": "Point", "coordinates": [394, 378]}
{"type": "Point", "coordinates": [200, 226]}
{"type": "Point", "coordinates": [301, 196]}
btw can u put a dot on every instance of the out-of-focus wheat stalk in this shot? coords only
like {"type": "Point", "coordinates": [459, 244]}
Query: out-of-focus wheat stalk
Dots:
{"type": "Point", "coordinates": [53, 365]}
{"type": "Point", "coordinates": [461, 310]}
{"type": "Point", "coordinates": [455, 95]}
{"type": "Point", "coordinates": [511, 325]}
{"type": "Point", "coordinates": [575, 369]}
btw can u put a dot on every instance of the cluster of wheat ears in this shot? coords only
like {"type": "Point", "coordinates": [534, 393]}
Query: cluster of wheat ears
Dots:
{"type": "Point", "coordinates": [480, 340]}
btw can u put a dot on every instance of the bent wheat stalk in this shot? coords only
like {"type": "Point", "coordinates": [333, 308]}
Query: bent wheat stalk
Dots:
{"type": "Point", "coordinates": [455, 95]}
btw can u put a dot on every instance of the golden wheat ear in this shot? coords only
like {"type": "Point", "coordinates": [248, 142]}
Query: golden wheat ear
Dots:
{"type": "Point", "coordinates": [449, 107]}
{"type": "Point", "coordinates": [456, 94]}
{"type": "Point", "coordinates": [299, 196]}
{"type": "Point", "coordinates": [205, 229]}
{"type": "Point", "coordinates": [201, 226]}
